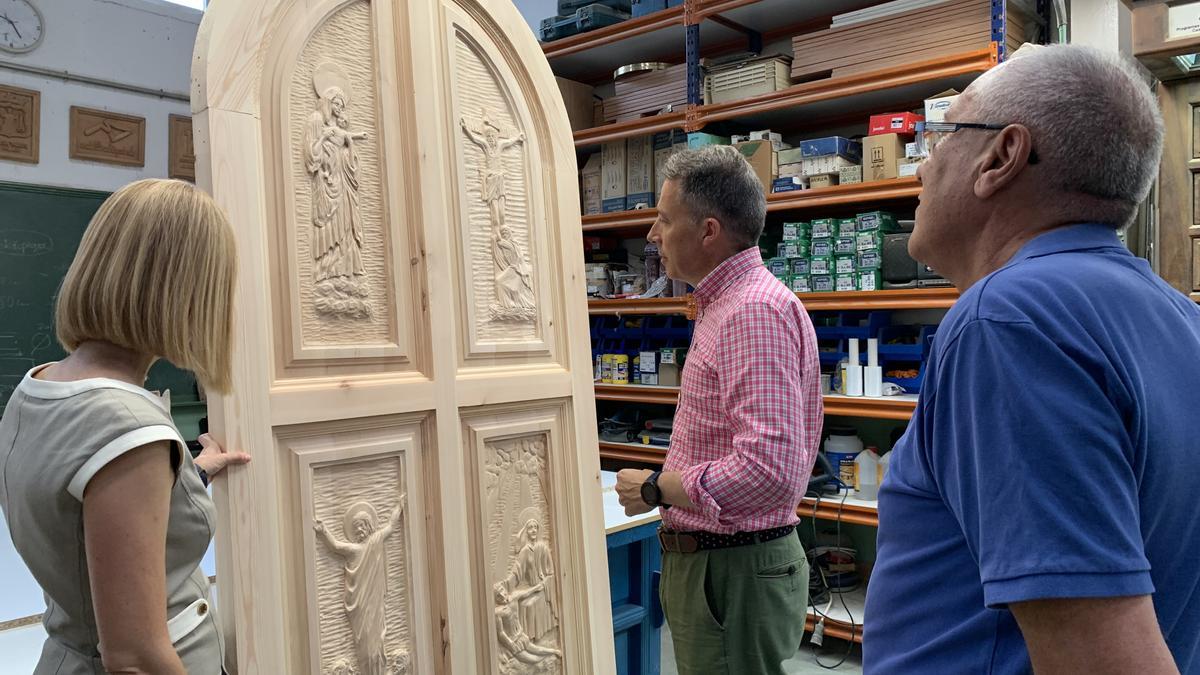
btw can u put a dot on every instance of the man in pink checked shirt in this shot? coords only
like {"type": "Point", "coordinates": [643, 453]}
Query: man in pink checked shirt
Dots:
{"type": "Point", "coordinates": [735, 578]}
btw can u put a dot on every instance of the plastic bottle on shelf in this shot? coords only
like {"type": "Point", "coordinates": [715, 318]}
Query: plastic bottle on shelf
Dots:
{"type": "Point", "coordinates": [884, 463]}
{"type": "Point", "coordinates": [867, 474]}
{"type": "Point", "coordinates": [842, 446]}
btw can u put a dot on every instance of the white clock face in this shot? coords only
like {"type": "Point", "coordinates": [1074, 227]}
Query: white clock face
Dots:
{"type": "Point", "coordinates": [21, 26]}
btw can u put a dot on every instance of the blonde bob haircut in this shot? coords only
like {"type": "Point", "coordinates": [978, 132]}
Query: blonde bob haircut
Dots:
{"type": "Point", "coordinates": [155, 273]}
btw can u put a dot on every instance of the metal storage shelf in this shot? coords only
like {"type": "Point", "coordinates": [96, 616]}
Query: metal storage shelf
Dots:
{"type": "Point", "coordinates": [916, 298]}
{"type": "Point", "coordinates": [890, 408]}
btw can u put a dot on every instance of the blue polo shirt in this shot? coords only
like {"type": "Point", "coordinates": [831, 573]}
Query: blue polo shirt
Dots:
{"type": "Point", "coordinates": [1055, 453]}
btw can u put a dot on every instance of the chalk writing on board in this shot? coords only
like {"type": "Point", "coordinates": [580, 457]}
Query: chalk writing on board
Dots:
{"type": "Point", "coordinates": [24, 243]}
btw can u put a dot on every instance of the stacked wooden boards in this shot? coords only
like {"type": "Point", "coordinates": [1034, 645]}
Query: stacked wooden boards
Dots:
{"type": "Point", "coordinates": [647, 94]}
{"type": "Point", "coordinates": [915, 35]}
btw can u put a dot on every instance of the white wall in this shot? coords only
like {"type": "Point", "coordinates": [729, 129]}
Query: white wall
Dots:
{"type": "Point", "coordinates": [536, 10]}
{"type": "Point", "coordinates": [145, 43]}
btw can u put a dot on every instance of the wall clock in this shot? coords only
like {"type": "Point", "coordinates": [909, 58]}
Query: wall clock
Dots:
{"type": "Point", "coordinates": [21, 26]}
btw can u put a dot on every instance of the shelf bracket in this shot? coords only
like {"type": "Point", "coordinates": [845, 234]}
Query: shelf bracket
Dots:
{"type": "Point", "coordinates": [695, 76]}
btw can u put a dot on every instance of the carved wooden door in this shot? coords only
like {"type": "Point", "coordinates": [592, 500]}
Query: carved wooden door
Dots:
{"type": "Point", "coordinates": [413, 373]}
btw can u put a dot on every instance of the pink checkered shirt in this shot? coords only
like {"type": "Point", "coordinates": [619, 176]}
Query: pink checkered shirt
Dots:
{"type": "Point", "coordinates": [750, 410]}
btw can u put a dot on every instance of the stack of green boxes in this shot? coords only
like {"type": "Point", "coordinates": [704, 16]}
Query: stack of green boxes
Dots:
{"type": "Point", "coordinates": [833, 254]}
{"type": "Point", "coordinates": [869, 248]}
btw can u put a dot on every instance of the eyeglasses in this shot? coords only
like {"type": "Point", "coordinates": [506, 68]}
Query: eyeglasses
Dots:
{"type": "Point", "coordinates": [936, 132]}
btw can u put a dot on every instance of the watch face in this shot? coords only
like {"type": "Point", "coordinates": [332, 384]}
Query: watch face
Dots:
{"type": "Point", "coordinates": [21, 26]}
{"type": "Point", "coordinates": [650, 493]}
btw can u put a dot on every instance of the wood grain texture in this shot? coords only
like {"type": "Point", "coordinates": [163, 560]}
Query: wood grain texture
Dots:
{"type": "Point", "coordinates": [336, 399]}
{"type": "Point", "coordinates": [1179, 181]}
{"type": "Point", "coordinates": [20, 124]}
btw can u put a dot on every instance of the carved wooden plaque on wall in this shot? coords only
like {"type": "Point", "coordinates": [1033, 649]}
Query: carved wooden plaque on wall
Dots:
{"type": "Point", "coordinates": [20, 115]}
{"type": "Point", "coordinates": [181, 154]}
{"type": "Point", "coordinates": [103, 136]}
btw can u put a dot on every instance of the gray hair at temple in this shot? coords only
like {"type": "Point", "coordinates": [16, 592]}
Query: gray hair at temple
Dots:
{"type": "Point", "coordinates": [717, 182]}
{"type": "Point", "coordinates": [1094, 121]}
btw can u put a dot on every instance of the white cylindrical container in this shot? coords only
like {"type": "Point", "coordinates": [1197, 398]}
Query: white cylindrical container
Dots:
{"type": "Point", "coordinates": [854, 371]}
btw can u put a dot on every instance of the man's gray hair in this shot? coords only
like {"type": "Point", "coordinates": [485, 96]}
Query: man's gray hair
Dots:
{"type": "Point", "coordinates": [717, 182]}
{"type": "Point", "coordinates": [1094, 121]}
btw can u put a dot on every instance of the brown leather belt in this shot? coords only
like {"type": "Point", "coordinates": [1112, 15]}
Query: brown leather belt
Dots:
{"type": "Point", "coordinates": [690, 542]}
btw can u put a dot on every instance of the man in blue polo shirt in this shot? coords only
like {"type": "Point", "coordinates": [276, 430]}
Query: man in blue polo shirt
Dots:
{"type": "Point", "coordinates": [1039, 513]}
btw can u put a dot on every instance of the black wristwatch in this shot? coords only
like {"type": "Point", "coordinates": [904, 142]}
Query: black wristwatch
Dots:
{"type": "Point", "coordinates": [651, 494]}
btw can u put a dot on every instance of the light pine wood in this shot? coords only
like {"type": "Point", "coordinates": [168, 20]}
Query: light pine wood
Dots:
{"type": "Point", "coordinates": [20, 124]}
{"type": "Point", "coordinates": [413, 370]}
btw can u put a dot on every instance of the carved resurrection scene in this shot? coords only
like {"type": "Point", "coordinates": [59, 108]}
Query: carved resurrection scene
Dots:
{"type": "Point", "coordinates": [362, 568]}
{"type": "Point", "coordinates": [334, 144]}
{"type": "Point", "coordinates": [521, 556]}
{"type": "Point", "coordinates": [497, 225]}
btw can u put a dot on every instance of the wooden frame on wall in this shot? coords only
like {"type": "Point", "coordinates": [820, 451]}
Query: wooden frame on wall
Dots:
{"type": "Point", "coordinates": [181, 153]}
{"type": "Point", "coordinates": [112, 138]}
{"type": "Point", "coordinates": [20, 124]}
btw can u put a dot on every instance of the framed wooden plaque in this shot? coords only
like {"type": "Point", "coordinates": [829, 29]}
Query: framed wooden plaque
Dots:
{"type": "Point", "coordinates": [102, 136]}
{"type": "Point", "coordinates": [181, 154]}
{"type": "Point", "coordinates": [20, 121]}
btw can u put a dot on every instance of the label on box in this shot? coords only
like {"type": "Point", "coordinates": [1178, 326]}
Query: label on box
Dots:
{"type": "Point", "coordinates": [846, 227]}
{"type": "Point", "coordinates": [816, 166]}
{"type": "Point", "coordinates": [821, 283]}
{"type": "Point", "coordinates": [800, 267]}
{"type": "Point", "coordinates": [935, 108]}
{"type": "Point", "coordinates": [820, 266]}
{"type": "Point", "coordinates": [907, 169]}
{"type": "Point", "coordinates": [869, 241]}
{"type": "Point", "coordinates": [822, 228]}
{"type": "Point", "coordinates": [843, 264]}
{"type": "Point", "coordinates": [881, 155]}
{"type": "Point", "coordinates": [796, 231]}
{"type": "Point", "coordinates": [639, 173]}
{"type": "Point", "coordinates": [648, 362]}
{"type": "Point", "coordinates": [823, 180]}
{"type": "Point", "coordinates": [869, 281]}
{"type": "Point", "coordinates": [666, 356]}
{"type": "Point", "coordinates": [787, 184]}
{"type": "Point", "coordinates": [911, 150]}
{"type": "Point", "coordinates": [778, 266]}
{"type": "Point", "coordinates": [850, 175]}
{"type": "Point", "coordinates": [870, 260]}
{"type": "Point", "coordinates": [649, 378]}
{"type": "Point", "coordinates": [789, 249]}
{"type": "Point", "coordinates": [844, 282]}
{"type": "Point", "coordinates": [822, 247]}
{"type": "Point", "coordinates": [613, 176]}
{"type": "Point", "coordinates": [845, 245]}
{"type": "Point", "coordinates": [895, 123]}
{"type": "Point", "coordinates": [592, 188]}
{"type": "Point", "coordinates": [876, 220]}
{"type": "Point", "coordinates": [801, 284]}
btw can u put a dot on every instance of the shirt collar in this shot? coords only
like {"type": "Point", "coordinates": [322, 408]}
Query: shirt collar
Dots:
{"type": "Point", "coordinates": [730, 270]}
{"type": "Point", "coordinates": [1070, 238]}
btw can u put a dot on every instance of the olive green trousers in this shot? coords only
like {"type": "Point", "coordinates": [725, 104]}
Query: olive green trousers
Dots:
{"type": "Point", "coordinates": [736, 611]}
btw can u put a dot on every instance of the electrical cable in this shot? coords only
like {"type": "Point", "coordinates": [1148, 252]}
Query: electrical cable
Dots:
{"type": "Point", "coordinates": [840, 592]}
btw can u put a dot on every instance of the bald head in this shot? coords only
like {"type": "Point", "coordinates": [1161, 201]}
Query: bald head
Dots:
{"type": "Point", "coordinates": [1093, 119]}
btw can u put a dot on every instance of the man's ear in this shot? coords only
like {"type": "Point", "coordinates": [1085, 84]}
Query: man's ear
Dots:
{"type": "Point", "coordinates": [711, 230]}
{"type": "Point", "coordinates": [1005, 158]}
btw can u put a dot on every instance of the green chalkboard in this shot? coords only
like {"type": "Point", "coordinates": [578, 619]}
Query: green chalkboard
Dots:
{"type": "Point", "coordinates": [40, 229]}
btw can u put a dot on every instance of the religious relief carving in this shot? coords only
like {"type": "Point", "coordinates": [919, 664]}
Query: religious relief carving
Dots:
{"type": "Point", "coordinates": [331, 160]}
{"type": "Point", "coordinates": [521, 557]}
{"type": "Point", "coordinates": [514, 299]}
{"type": "Point", "coordinates": [364, 557]}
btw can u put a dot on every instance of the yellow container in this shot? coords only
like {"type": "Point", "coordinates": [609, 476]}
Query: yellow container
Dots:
{"type": "Point", "coordinates": [620, 369]}
{"type": "Point", "coordinates": [606, 369]}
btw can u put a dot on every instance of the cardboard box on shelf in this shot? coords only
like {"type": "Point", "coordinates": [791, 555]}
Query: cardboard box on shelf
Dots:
{"type": "Point", "coordinates": [787, 184]}
{"type": "Point", "coordinates": [591, 189]}
{"type": "Point", "coordinates": [820, 265]}
{"type": "Point", "coordinates": [904, 124]}
{"type": "Point", "coordinates": [699, 139]}
{"type": "Point", "coordinates": [822, 180]}
{"type": "Point", "coordinates": [844, 264]}
{"type": "Point", "coordinates": [846, 227]}
{"type": "Point", "coordinates": [912, 150]}
{"type": "Point", "coordinates": [845, 245]}
{"type": "Point", "coordinates": [877, 220]}
{"type": "Point", "coordinates": [793, 249]}
{"type": "Point", "coordinates": [665, 144]}
{"type": "Point", "coordinates": [869, 280]}
{"type": "Point", "coordinates": [882, 155]}
{"type": "Point", "coordinates": [793, 170]}
{"type": "Point", "coordinates": [613, 176]}
{"type": "Point", "coordinates": [823, 228]}
{"type": "Point", "coordinates": [779, 267]}
{"type": "Point", "coordinates": [800, 267]}
{"type": "Point", "coordinates": [815, 166]}
{"type": "Point", "coordinates": [850, 175]}
{"type": "Point", "coordinates": [766, 135]}
{"type": "Point", "coordinates": [580, 100]}
{"type": "Point", "coordinates": [908, 167]}
{"type": "Point", "coordinates": [800, 283]}
{"type": "Point", "coordinates": [844, 282]}
{"type": "Point", "coordinates": [936, 107]}
{"type": "Point", "coordinates": [639, 173]}
{"type": "Point", "coordinates": [869, 260]}
{"type": "Point", "coordinates": [797, 231]}
{"type": "Point", "coordinates": [762, 158]}
{"type": "Point", "coordinates": [822, 248]}
{"type": "Point", "coordinates": [871, 240]}
{"type": "Point", "coordinates": [832, 145]}
{"type": "Point", "coordinates": [821, 283]}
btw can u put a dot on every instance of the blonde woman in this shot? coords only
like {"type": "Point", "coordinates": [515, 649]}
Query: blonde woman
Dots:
{"type": "Point", "coordinates": [103, 501]}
